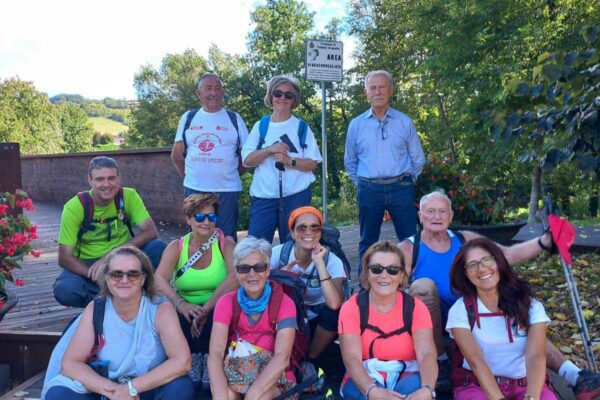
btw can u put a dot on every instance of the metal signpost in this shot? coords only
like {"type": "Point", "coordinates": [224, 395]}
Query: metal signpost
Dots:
{"type": "Point", "coordinates": [323, 62]}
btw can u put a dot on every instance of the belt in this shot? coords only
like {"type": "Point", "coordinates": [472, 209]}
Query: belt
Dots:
{"type": "Point", "coordinates": [387, 181]}
{"type": "Point", "coordinates": [467, 377]}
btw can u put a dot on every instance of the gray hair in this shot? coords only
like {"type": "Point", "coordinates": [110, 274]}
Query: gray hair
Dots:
{"type": "Point", "coordinates": [436, 193]}
{"type": "Point", "coordinates": [251, 245]}
{"type": "Point", "coordinates": [208, 75]}
{"type": "Point", "coordinates": [102, 162]}
{"type": "Point", "coordinates": [378, 73]}
{"type": "Point", "coordinates": [280, 80]}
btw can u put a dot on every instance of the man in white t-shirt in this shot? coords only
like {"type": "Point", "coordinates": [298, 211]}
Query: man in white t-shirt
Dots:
{"type": "Point", "coordinates": [207, 148]}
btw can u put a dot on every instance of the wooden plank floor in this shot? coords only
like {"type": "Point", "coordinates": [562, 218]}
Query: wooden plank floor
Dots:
{"type": "Point", "coordinates": [38, 311]}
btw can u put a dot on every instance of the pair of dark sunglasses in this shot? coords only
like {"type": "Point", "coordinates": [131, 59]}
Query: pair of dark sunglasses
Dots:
{"type": "Point", "coordinates": [288, 95]}
{"type": "Point", "coordinates": [200, 217]}
{"type": "Point", "coordinates": [117, 275]}
{"type": "Point", "coordinates": [245, 268]}
{"type": "Point", "coordinates": [391, 269]}
{"type": "Point", "coordinates": [313, 228]}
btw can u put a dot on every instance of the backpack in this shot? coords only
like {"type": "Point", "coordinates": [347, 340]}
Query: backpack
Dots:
{"type": "Point", "coordinates": [88, 223]}
{"type": "Point", "coordinates": [330, 238]}
{"type": "Point", "coordinates": [282, 282]}
{"type": "Point", "coordinates": [190, 116]}
{"type": "Point", "coordinates": [417, 242]}
{"type": "Point", "coordinates": [408, 307]}
{"type": "Point", "coordinates": [263, 127]}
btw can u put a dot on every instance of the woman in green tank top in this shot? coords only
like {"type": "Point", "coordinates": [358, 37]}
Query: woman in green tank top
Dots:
{"type": "Point", "coordinates": [197, 269]}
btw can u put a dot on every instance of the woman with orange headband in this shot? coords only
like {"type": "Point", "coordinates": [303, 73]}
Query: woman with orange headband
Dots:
{"type": "Point", "coordinates": [321, 270]}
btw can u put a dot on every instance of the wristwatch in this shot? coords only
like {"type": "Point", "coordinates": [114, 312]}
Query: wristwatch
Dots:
{"type": "Point", "coordinates": [132, 390]}
{"type": "Point", "coordinates": [293, 162]}
{"type": "Point", "coordinates": [430, 389]}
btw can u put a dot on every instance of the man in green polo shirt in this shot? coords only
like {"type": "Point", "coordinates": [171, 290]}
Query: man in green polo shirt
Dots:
{"type": "Point", "coordinates": [82, 243]}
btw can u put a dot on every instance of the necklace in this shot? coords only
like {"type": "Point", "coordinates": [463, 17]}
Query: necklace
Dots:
{"type": "Point", "coordinates": [383, 309]}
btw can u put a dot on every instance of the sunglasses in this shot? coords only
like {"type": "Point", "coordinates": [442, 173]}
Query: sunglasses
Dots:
{"type": "Point", "coordinates": [245, 268]}
{"type": "Point", "coordinates": [485, 261]}
{"type": "Point", "coordinates": [117, 275]}
{"type": "Point", "coordinates": [313, 228]}
{"type": "Point", "coordinates": [288, 95]}
{"type": "Point", "coordinates": [391, 269]}
{"type": "Point", "coordinates": [200, 217]}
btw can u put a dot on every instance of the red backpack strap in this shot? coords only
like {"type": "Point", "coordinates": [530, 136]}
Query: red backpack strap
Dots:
{"type": "Point", "coordinates": [235, 318]}
{"type": "Point", "coordinates": [275, 304]}
{"type": "Point", "coordinates": [223, 239]}
{"type": "Point", "coordinates": [472, 312]}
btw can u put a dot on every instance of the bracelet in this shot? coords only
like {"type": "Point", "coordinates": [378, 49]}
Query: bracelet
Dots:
{"type": "Point", "coordinates": [325, 279]}
{"type": "Point", "coordinates": [542, 246]}
{"type": "Point", "coordinates": [178, 302]}
{"type": "Point", "coordinates": [371, 386]}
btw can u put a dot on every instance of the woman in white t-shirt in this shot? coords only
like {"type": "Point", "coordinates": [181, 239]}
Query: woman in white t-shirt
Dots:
{"type": "Point", "coordinates": [321, 270]}
{"type": "Point", "coordinates": [498, 326]}
{"type": "Point", "coordinates": [284, 153]}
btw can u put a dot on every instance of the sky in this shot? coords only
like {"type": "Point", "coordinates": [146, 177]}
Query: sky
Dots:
{"type": "Point", "coordinates": [95, 48]}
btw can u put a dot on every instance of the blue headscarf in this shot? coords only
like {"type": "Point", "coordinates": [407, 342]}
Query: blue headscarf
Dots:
{"type": "Point", "coordinates": [254, 306]}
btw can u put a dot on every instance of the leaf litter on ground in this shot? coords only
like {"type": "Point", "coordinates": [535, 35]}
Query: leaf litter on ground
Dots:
{"type": "Point", "coordinates": [547, 279]}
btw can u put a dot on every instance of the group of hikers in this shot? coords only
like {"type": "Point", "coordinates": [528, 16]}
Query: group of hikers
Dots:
{"type": "Point", "coordinates": [249, 319]}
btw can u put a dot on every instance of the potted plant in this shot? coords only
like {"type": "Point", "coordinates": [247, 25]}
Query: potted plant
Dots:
{"type": "Point", "coordinates": [16, 234]}
{"type": "Point", "coordinates": [476, 206]}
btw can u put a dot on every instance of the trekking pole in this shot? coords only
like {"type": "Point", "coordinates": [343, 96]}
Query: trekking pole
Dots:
{"type": "Point", "coordinates": [571, 286]}
{"type": "Point", "coordinates": [302, 385]}
{"type": "Point", "coordinates": [579, 317]}
{"type": "Point", "coordinates": [281, 168]}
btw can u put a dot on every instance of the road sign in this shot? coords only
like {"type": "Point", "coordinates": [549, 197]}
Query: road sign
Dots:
{"type": "Point", "coordinates": [323, 60]}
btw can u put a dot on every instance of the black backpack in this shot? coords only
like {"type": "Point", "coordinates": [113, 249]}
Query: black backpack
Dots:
{"type": "Point", "coordinates": [88, 223]}
{"type": "Point", "coordinates": [408, 307]}
{"type": "Point", "coordinates": [232, 117]}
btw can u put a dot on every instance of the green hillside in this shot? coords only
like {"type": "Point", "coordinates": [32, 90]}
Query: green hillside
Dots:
{"type": "Point", "coordinates": [105, 125]}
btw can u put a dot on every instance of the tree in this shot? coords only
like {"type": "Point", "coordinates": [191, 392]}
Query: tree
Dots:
{"type": "Point", "coordinates": [28, 117]}
{"type": "Point", "coordinates": [77, 129]}
{"type": "Point", "coordinates": [164, 95]}
{"type": "Point", "coordinates": [564, 124]}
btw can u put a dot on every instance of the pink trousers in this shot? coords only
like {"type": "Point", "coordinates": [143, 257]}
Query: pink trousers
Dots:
{"type": "Point", "coordinates": [511, 392]}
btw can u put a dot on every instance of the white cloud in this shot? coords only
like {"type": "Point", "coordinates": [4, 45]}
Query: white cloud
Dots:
{"type": "Point", "coordinates": [95, 48]}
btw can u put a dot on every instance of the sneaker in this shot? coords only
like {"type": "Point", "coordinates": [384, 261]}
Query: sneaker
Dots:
{"type": "Point", "coordinates": [195, 373]}
{"type": "Point", "coordinates": [310, 372]}
{"type": "Point", "coordinates": [205, 380]}
{"type": "Point", "coordinates": [588, 385]}
{"type": "Point", "coordinates": [444, 383]}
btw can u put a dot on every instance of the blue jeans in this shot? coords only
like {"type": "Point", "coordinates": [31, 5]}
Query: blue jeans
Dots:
{"type": "Point", "coordinates": [265, 215]}
{"type": "Point", "coordinates": [373, 199]}
{"type": "Point", "coordinates": [74, 290]}
{"type": "Point", "coordinates": [181, 388]}
{"type": "Point", "coordinates": [229, 210]}
{"type": "Point", "coordinates": [405, 385]}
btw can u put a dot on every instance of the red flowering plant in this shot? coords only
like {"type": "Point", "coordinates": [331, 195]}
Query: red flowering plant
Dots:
{"type": "Point", "coordinates": [473, 202]}
{"type": "Point", "coordinates": [16, 234]}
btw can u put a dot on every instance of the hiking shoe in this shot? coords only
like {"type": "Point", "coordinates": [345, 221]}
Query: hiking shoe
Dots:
{"type": "Point", "coordinates": [310, 372]}
{"type": "Point", "coordinates": [195, 373]}
{"type": "Point", "coordinates": [444, 383]}
{"type": "Point", "coordinates": [588, 385]}
{"type": "Point", "coordinates": [205, 380]}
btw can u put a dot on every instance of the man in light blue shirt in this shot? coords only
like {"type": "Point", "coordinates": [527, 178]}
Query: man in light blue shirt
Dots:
{"type": "Point", "coordinates": [384, 158]}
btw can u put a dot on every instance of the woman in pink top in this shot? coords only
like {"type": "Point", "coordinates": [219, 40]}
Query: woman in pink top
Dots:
{"type": "Point", "coordinates": [386, 356]}
{"type": "Point", "coordinates": [258, 350]}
